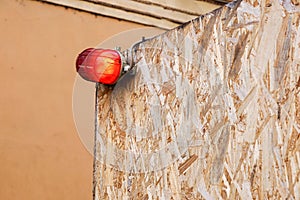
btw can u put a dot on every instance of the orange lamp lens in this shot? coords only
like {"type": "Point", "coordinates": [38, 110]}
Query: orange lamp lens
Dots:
{"type": "Point", "coordinates": [99, 65]}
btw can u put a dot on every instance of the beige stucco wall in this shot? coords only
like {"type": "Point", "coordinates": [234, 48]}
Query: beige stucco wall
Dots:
{"type": "Point", "coordinates": [41, 155]}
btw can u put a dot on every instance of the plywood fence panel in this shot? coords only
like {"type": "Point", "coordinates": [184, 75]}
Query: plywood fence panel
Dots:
{"type": "Point", "coordinates": [210, 110]}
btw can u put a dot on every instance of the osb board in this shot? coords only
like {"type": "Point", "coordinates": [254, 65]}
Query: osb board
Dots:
{"type": "Point", "coordinates": [210, 111]}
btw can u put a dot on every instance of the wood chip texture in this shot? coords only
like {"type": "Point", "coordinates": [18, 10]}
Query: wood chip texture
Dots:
{"type": "Point", "coordinates": [211, 110]}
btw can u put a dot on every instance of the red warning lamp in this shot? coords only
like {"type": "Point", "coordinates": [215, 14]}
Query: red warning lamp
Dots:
{"type": "Point", "coordinates": [100, 65]}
